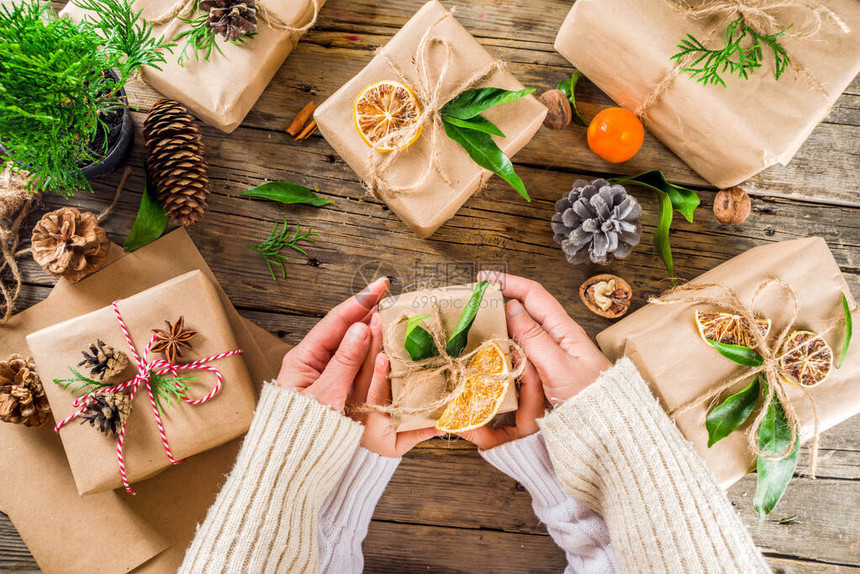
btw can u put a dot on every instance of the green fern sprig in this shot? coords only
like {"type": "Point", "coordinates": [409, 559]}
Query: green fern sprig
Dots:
{"type": "Point", "coordinates": [281, 239]}
{"type": "Point", "coordinates": [740, 55]}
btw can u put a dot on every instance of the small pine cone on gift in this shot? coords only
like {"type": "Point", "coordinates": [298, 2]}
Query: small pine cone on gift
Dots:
{"type": "Point", "coordinates": [22, 396]}
{"type": "Point", "coordinates": [596, 221]}
{"type": "Point", "coordinates": [103, 360]}
{"type": "Point", "coordinates": [232, 19]}
{"type": "Point", "coordinates": [174, 159]}
{"type": "Point", "coordinates": [107, 412]}
{"type": "Point", "coordinates": [69, 243]}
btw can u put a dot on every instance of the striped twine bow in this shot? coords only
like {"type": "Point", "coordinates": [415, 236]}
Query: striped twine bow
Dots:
{"type": "Point", "coordinates": [145, 367]}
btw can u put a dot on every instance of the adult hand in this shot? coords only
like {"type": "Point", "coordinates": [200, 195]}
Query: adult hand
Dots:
{"type": "Point", "coordinates": [531, 408]}
{"type": "Point", "coordinates": [379, 436]}
{"type": "Point", "coordinates": [328, 360]}
{"type": "Point", "coordinates": [564, 357]}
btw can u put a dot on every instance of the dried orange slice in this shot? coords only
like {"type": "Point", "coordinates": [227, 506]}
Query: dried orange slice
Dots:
{"type": "Point", "coordinates": [482, 396]}
{"type": "Point", "coordinates": [729, 329]}
{"type": "Point", "coordinates": [807, 358]}
{"type": "Point", "coordinates": [382, 109]}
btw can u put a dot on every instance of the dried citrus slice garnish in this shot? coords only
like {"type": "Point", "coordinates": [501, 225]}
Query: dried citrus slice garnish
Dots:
{"type": "Point", "coordinates": [807, 359]}
{"type": "Point", "coordinates": [729, 329]}
{"type": "Point", "coordinates": [481, 397]}
{"type": "Point", "coordinates": [382, 109]}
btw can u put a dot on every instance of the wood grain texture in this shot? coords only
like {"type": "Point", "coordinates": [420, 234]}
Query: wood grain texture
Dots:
{"type": "Point", "coordinates": [468, 517]}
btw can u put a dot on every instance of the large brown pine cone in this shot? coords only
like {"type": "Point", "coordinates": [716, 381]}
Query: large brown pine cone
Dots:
{"type": "Point", "coordinates": [231, 18]}
{"type": "Point", "coordinates": [174, 158]}
{"type": "Point", "coordinates": [22, 397]}
{"type": "Point", "coordinates": [69, 243]}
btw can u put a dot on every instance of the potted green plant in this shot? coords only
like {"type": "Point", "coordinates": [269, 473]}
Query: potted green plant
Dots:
{"type": "Point", "coordinates": [63, 111]}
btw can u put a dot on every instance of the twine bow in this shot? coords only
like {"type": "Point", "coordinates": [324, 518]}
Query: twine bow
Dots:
{"type": "Point", "coordinates": [759, 15]}
{"type": "Point", "coordinates": [417, 374]}
{"type": "Point", "coordinates": [145, 368]}
{"type": "Point", "coordinates": [263, 13]}
{"type": "Point", "coordinates": [777, 376]}
{"type": "Point", "coordinates": [432, 97]}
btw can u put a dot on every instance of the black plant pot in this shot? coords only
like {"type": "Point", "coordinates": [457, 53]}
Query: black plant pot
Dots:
{"type": "Point", "coordinates": [119, 149]}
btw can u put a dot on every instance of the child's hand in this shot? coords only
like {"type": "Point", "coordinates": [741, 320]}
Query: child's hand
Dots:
{"type": "Point", "coordinates": [329, 359]}
{"type": "Point", "coordinates": [565, 358]}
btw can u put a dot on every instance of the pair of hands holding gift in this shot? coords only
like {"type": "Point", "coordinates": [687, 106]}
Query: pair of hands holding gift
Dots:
{"type": "Point", "coordinates": [340, 362]}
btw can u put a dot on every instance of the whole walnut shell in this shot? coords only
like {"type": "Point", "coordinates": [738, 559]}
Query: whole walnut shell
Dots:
{"type": "Point", "coordinates": [732, 206]}
{"type": "Point", "coordinates": [559, 113]}
{"type": "Point", "coordinates": [69, 243]}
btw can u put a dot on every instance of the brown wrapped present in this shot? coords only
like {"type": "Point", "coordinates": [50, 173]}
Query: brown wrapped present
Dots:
{"type": "Point", "coordinates": [448, 302]}
{"type": "Point", "coordinates": [188, 427]}
{"type": "Point", "coordinates": [428, 181]}
{"type": "Point", "coordinates": [664, 343]}
{"type": "Point", "coordinates": [223, 89]}
{"type": "Point", "coordinates": [726, 134]}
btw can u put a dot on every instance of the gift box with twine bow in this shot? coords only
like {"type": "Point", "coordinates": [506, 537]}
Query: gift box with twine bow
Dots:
{"type": "Point", "coordinates": [426, 183]}
{"type": "Point", "coordinates": [726, 134]}
{"type": "Point", "coordinates": [222, 88]}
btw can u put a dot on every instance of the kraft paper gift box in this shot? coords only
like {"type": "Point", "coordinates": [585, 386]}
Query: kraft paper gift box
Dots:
{"type": "Point", "coordinates": [223, 89]}
{"type": "Point", "coordinates": [190, 429]}
{"type": "Point", "coordinates": [427, 204]}
{"type": "Point", "coordinates": [664, 344]}
{"type": "Point", "coordinates": [726, 134]}
{"type": "Point", "coordinates": [490, 323]}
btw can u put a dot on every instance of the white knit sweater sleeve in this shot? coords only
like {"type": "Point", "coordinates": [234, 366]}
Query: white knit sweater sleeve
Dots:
{"type": "Point", "coordinates": [346, 513]}
{"type": "Point", "coordinates": [265, 517]}
{"type": "Point", "coordinates": [577, 529]}
{"type": "Point", "coordinates": [614, 448]}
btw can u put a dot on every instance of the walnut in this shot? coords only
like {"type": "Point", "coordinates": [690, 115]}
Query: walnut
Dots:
{"type": "Point", "coordinates": [732, 206]}
{"type": "Point", "coordinates": [559, 114]}
{"type": "Point", "coordinates": [606, 295]}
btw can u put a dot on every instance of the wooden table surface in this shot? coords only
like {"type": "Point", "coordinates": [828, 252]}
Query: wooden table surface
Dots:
{"type": "Point", "coordinates": [445, 509]}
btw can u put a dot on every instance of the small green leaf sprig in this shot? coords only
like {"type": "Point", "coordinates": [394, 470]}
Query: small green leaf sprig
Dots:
{"type": "Point", "coordinates": [740, 55]}
{"type": "Point", "coordinates": [167, 389]}
{"type": "Point", "coordinates": [419, 342]}
{"type": "Point", "coordinates": [280, 239]}
{"type": "Point", "coordinates": [463, 123]}
{"type": "Point", "coordinates": [200, 40]}
{"type": "Point", "coordinates": [775, 469]}
{"type": "Point", "coordinates": [568, 87]}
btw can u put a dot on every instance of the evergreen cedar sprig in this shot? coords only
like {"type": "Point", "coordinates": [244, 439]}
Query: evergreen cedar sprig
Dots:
{"type": "Point", "coordinates": [164, 388]}
{"type": "Point", "coordinates": [277, 240]}
{"type": "Point", "coordinates": [737, 56]}
{"type": "Point", "coordinates": [201, 38]}
{"type": "Point", "coordinates": [54, 92]}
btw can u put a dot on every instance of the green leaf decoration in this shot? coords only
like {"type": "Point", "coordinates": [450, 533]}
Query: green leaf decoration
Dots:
{"type": "Point", "coordinates": [774, 436]}
{"type": "Point", "coordinates": [732, 413]}
{"type": "Point", "coordinates": [150, 223]}
{"type": "Point", "coordinates": [457, 341]}
{"type": "Point", "coordinates": [738, 354]}
{"type": "Point", "coordinates": [169, 389]}
{"type": "Point", "coordinates": [472, 102]}
{"type": "Point", "coordinates": [484, 151]}
{"type": "Point", "coordinates": [280, 239]}
{"type": "Point", "coordinates": [849, 327]}
{"type": "Point", "coordinates": [478, 123]}
{"type": "Point", "coordinates": [286, 192]}
{"type": "Point", "coordinates": [680, 199]}
{"type": "Point", "coordinates": [418, 343]}
{"type": "Point", "coordinates": [568, 87]}
{"type": "Point", "coordinates": [81, 383]}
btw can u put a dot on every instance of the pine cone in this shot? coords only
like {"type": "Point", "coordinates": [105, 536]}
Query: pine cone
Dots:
{"type": "Point", "coordinates": [174, 158]}
{"type": "Point", "coordinates": [231, 18]}
{"type": "Point", "coordinates": [107, 412]}
{"type": "Point", "coordinates": [596, 221]}
{"type": "Point", "coordinates": [103, 360]}
{"type": "Point", "coordinates": [22, 397]}
{"type": "Point", "coordinates": [69, 243]}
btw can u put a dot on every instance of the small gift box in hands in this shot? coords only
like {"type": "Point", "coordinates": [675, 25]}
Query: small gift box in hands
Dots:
{"type": "Point", "coordinates": [430, 119]}
{"type": "Point", "coordinates": [152, 393]}
{"type": "Point", "coordinates": [450, 358]}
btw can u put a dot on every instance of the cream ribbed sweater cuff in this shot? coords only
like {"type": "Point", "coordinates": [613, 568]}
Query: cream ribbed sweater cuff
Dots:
{"type": "Point", "coordinates": [527, 461]}
{"type": "Point", "coordinates": [614, 448]}
{"type": "Point", "coordinates": [265, 517]}
{"type": "Point", "coordinates": [346, 513]}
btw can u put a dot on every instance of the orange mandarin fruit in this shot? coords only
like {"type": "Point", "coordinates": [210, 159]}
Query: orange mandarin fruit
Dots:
{"type": "Point", "coordinates": [615, 135]}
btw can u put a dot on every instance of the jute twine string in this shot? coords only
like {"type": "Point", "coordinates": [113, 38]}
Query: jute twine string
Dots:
{"type": "Point", "coordinates": [263, 13]}
{"type": "Point", "coordinates": [417, 374]}
{"type": "Point", "coordinates": [16, 203]}
{"type": "Point", "coordinates": [759, 16]}
{"type": "Point", "coordinates": [778, 378]}
{"type": "Point", "coordinates": [432, 96]}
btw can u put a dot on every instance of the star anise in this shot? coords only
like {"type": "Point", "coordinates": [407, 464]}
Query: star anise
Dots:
{"type": "Point", "coordinates": [172, 340]}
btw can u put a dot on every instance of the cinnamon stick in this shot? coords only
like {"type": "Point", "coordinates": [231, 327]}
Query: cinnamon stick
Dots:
{"type": "Point", "coordinates": [301, 119]}
{"type": "Point", "coordinates": [306, 133]}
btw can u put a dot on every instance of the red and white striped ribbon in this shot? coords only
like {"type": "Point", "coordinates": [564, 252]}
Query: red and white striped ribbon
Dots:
{"type": "Point", "coordinates": [145, 367]}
